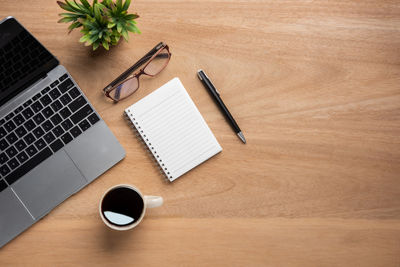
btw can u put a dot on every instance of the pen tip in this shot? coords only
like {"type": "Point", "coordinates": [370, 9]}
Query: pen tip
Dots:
{"type": "Point", "coordinates": [241, 136]}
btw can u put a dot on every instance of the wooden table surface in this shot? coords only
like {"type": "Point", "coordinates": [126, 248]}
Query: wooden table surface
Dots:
{"type": "Point", "coordinates": [314, 85]}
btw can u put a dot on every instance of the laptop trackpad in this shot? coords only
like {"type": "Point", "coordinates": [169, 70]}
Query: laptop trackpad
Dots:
{"type": "Point", "coordinates": [49, 184]}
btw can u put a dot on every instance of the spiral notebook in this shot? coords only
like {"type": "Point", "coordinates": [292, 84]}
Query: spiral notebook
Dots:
{"type": "Point", "coordinates": [172, 128]}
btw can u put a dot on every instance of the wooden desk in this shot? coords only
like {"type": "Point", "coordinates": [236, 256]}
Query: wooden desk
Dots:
{"type": "Point", "coordinates": [315, 87]}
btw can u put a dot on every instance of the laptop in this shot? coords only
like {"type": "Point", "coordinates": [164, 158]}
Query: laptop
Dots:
{"type": "Point", "coordinates": [52, 140]}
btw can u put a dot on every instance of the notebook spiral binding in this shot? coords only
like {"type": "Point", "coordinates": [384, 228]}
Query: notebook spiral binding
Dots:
{"type": "Point", "coordinates": [147, 145]}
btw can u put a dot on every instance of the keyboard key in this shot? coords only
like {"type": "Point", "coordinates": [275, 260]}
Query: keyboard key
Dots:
{"type": "Point", "coordinates": [20, 131]}
{"type": "Point", "coordinates": [4, 170]}
{"type": "Point", "coordinates": [54, 93]}
{"type": "Point", "coordinates": [2, 132]}
{"type": "Point", "coordinates": [38, 118]}
{"type": "Point", "coordinates": [11, 138]}
{"type": "Point", "coordinates": [45, 100]}
{"type": "Point", "coordinates": [11, 151]}
{"type": "Point", "coordinates": [3, 144]}
{"type": "Point", "coordinates": [45, 90]}
{"type": "Point", "coordinates": [74, 92]}
{"type": "Point", "coordinates": [10, 115]}
{"type": "Point", "coordinates": [20, 145]}
{"type": "Point", "coordinates": [40, 144]}
{"type": "Point", "coordinates": [37, 106]}
{"type": "Point", "coordinates": [19, 109]}
{"type": "Point", "coordinates": [27, 113]}
{"type": "Point", "coordinates": [22, 157]}
{"type": "Point", "coordinates": [2, 121]}
{"type": "Point", "coordinates": [77, 103]}
{"type": "Point", "coordinates": [3, 185]}
{"type": "Point", "coordinates": [18, 120]}
{"type": "Point", "coordinates": [54, 84]}
{"type": "Point", "coordinates": [47, 112]}
{"type": "Point", "coordinates": [36, 97]}
{"type": "Point", "coordinates": [56, 105]}
{"type": "Point", "coordinates": [9, 126]}
{"type": "Point", "coordinates": [31, 150]}
{"type": "Point", "coordinates": [75, 131]}
{"type": "Point", "coordinates": [29, 125]}
{"type": "Point", "coordinates": [49, 137]}
{"type": "Point", "coordinates": [27, 166]}
{"type": "Point", "coordinates": [93, 118]}
{"type": "Point", "coordinates": [13, 164]}
{"type": "Point", "coordinates": [81, 114]}
{"type": "Point", "coordinates": [66, 85]}
{"type": "Point", "coordinates": [38, 132]}
{"type": "Point", "coordinates": [65, 99]}
{"type": "Point", "coordinates": [56, 119]}
{"type": "Point", "coordinates": [67, 124]}
{"type": "Point", "coordinates": [47, 126]}
{"type": "Point", "coordinates": [62, 78]}
{"type": "Point", "coordinates": [3, 158]}
{"type": "Point", "coordinates": [66, 138]}
{"type": "Point", "coordinates": [29, 138]}
{"type": "Point", "coordinates": [27, 103]}
{"type": "Point", "coordinates": [65, 113]}
{"type": "Point", "coordinates": [84, 125]}
{"type": "Point", "coordinates": [56, 145]}
{"type": "Point", "coordinates": [58, 131]}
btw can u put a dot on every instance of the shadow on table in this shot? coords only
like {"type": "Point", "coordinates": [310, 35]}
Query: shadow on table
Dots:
{"type": "Point", "coordinates": [113, 240]}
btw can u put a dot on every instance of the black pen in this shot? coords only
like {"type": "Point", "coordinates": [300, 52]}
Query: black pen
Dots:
{"type": "Point", "coordinates": [214, 92]}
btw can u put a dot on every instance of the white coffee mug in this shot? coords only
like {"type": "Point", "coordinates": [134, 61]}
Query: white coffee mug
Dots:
{"type": "Point", "coordinates": [122, 207]}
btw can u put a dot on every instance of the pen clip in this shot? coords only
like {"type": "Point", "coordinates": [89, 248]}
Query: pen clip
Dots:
{"type": "Point", "coordinates": [199, 72]}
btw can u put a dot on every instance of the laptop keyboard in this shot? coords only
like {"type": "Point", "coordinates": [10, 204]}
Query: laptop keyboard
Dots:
{"type": "Point", "coordinates": [40, 127]}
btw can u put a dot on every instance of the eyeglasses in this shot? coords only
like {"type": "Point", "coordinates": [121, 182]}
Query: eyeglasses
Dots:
{"type": "Point", "coordinates": [127, 83]}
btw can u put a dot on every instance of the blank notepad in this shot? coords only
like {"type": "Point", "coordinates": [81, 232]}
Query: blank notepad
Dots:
{"type": "Point", "coordinates": [173, 129]}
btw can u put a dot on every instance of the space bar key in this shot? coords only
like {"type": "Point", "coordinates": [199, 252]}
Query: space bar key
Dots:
{"type": "Point", "coordinates": [29, 165]}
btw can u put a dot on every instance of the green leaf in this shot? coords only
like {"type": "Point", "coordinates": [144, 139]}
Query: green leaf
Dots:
{"type": "Point", "coordinates": [125, 35]}
{"type": "Point", "coordinates": [97, 14]}
{"type": "Point", "coordinates": [131, 16]}
{"type": "Point", "coordinates": [119, 27]}
{"type": "Point", "coordinates": [92, 39]}
{"type": "Point", "coordinates": [66, 20]}
{"type": "Point", "coordinates": [105, 45]}
{"type": "Point", "coordinates": [69, 15]}
{"type": "Point", "coordinates": [107, 38]}
{"type": "Point", "coordinates": [119, 4]}
{"type": "Point", "coordinates": [82, 7]}
{"type": "Point", "coordinates": [74, 25]}
{"type": "Point", "coordinates": [73, 5]}
{"type": "Point", "coordinates": [85, 3]}
{"type": "Point", "coordinates": [110, 25]}
{"type": "Point", "coordinates": [133, 28]}
{"type": "Point", "coordinates": [84, 38]}
{"type": "Point", "coordinates": [96, 45]}
{"type": "Point", "coordinates": [126, 5]}
{"type": "Point", "coordinates": [65, 6]}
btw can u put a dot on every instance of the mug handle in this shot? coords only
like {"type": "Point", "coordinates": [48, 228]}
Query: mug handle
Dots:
{"type": "Point", "coordinates": [153, 201]}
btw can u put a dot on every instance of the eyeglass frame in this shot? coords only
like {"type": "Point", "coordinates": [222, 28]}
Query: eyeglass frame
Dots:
{"type": "Point", "coordinates": [127, 75]}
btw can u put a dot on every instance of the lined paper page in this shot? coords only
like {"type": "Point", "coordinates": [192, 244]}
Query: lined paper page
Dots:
{"type": "Point", "coordinates": [173, 129]}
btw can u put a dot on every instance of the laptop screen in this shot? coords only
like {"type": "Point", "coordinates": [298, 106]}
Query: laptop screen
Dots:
{"type": "Point", "coordinates": [23, 60]}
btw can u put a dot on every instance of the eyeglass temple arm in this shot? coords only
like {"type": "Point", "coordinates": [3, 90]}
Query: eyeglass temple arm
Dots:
{"type": "Point", "coordinates": [140, 62]}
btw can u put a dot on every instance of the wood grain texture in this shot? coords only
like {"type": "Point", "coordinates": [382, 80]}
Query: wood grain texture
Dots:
{"type": "Point", "coordinates": [314, 85]}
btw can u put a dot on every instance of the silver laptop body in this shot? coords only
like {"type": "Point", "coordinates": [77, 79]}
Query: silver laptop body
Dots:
{"type": "Point", "coordinates": [52, 141]}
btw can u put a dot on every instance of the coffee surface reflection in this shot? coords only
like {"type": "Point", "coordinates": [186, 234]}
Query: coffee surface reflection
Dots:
{"type": "Point", "coordinates": [122, 206]}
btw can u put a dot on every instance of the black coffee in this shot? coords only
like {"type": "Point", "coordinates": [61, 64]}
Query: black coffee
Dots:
{"type": "Point", "coordinates": [122, 206]}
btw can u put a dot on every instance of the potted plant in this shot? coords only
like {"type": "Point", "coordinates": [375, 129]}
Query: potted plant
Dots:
{"type": "Point", "coordinates": [103, 23]}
